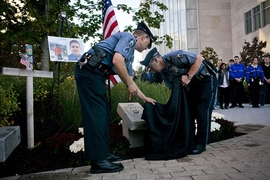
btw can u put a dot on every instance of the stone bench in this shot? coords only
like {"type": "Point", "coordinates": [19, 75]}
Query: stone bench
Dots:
{"type": "Point", "coordinates": [132, 124]}
{"type": "Point", "coordinates": [10, 138]}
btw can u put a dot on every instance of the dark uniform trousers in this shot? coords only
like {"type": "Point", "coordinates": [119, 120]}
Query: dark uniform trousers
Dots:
{"type": "Point", "coordinates": [95, 111]}
{"type": "Point", "coordinates": [201, 101]}
{"type": "Point", "coordinates": [237, 92]}
{"type": "Point", "coordinates": [255, 89]}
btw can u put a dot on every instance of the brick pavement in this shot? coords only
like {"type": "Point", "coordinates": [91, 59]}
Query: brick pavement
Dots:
{"type": "Point", "coordinates": [243, 157]}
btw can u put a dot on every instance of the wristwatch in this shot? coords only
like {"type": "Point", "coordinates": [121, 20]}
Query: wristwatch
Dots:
{"type": "Point", "coordinates": [189, 76]}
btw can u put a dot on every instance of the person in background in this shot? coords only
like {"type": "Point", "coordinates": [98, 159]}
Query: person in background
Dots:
{"type": "Point", "coordinates": [254, 78]}
{"type": "Point", "coordinates": [151, 76]}
{"type": "Point", "coordinates": [146, 74]}
{"type": "Point", "coordinates": [265, 92]}
{"type": "Point", "coordinates": [75, 49]}
{"type": "Point", "coordinates": [216, 94]}
{"type": "Point", "coordinates": [113, 55]}
{"type": "Point", "coordinates": [134, 76]}
{"type": "Point", "coordinates": [237, 74]}
{"type": "Point", "coordinates": [223, 86]}
{"type": "Point", "coordinates": [231, 62]}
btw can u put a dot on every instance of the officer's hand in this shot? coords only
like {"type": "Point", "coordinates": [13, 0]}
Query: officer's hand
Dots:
{"type": "Point", "coordinates": [150, 100]}
{"type": "Point", "coordinates": [132, 91]}
{"type": "Point", "coordinates": [185, 80]}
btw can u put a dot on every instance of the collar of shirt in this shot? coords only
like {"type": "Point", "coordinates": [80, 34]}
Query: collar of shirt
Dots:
{"type": "Point", "coordinates": [255, 66]}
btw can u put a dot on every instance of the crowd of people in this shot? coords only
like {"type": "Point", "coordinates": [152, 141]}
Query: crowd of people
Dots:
{"type": "Point", "coordinates": [231, 79]}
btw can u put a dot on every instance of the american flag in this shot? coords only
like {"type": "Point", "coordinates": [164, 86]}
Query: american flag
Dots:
{"type": "Point", "coordinates": [24, 61]}
{"type": "Point", "coordinates": [110, 26]}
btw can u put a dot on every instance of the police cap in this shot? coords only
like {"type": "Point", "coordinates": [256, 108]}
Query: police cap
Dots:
{"type": "Point", "coordinates": [142, 26]}
{"type": "Point", "coordinates": [151, 54]}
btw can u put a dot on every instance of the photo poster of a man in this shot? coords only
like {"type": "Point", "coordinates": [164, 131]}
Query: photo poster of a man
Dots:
{"type": "Point", "coordinates": [65, 49]}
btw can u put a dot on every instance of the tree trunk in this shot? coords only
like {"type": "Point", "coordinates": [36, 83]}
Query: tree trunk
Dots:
{"type": "Point", "coordinates": [44, 54]}
{"type": "Point", "coordinates": [44, 42]}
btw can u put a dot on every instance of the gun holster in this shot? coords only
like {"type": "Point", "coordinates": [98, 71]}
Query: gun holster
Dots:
{"type": "Point", "coordinates": [93, 60]}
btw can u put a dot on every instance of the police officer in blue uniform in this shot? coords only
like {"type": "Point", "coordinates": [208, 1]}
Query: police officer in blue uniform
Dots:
{"type": "Point", "coordinates": [113, 55]}
{"type": "Point", "coordinates": [255, 79]}
{"type": "Point", "coordinates": [195, 74]}
{"type": "Point", "coordinates": [237, 75]}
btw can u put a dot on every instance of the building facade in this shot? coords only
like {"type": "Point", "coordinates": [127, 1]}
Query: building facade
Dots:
{"type": "Point", "coordinates": [223, 25]}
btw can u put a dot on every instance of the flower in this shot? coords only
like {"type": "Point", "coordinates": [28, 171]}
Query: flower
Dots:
{"type": "Point", "coordinates": [80, 130]}
{"type": "Point", "coordinates": [77, 146]}
{"type": "Point", "coordinates": [215, 126]}
{"type": "Point", "coordinates": [216, 115]}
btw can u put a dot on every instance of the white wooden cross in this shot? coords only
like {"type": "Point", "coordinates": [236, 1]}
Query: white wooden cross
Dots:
{"type": "Point", "coordinates": [29, 73]}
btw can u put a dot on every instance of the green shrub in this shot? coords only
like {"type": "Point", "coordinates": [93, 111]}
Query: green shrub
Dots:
{"type": "Point", "coordinates": [119, 94]}
{"type": "Point", "coordinates": [69, 102]}
{"type": "Point", "coordinates": [9, 104]}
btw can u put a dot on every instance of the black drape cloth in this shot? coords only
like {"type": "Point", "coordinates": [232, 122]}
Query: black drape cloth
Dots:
{"type": "Point", "coordinates": [169, 133]}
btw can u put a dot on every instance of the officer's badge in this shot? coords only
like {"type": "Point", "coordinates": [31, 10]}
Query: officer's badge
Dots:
{"type": "Point", "coordinates": [131, 43]}
{"type": "Point", "coordinates": [175, 69]}
{"type": "Point", "coordinates": [179, 55]}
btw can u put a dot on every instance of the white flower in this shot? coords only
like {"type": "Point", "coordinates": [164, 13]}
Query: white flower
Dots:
{"type": "Point", "coordinates": [80, 130]}
{"type": "Point", "coordinates": [77, 146]}
{"type": "Point", "coordinates": [215, 126]}
{"type": "Point", "coordinates": [216, 115]}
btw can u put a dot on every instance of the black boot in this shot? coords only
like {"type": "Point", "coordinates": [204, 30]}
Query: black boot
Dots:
{"type": "Point", "coordinates": [105, 166]}
{"type": "Point", "coordinates": [113, 158]}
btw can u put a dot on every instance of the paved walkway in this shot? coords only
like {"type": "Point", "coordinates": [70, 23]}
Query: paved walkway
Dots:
{"type": "Point", "coordinates": [243, 157]}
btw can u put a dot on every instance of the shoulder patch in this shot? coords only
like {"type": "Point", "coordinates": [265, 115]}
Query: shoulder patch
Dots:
{"type": "Point", "coordinates": [131, 43]}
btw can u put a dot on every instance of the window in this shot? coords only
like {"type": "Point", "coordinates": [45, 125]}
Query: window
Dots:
{"type": "Point", "coordinates": [248, 22]}
{"type": "Point", "coordinates": [257, 17]}
{"type": "Point", "coordinates": [266, 12]}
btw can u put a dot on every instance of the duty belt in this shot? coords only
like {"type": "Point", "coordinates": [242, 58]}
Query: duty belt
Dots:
{"type": "Point", "coordinates": [104, 70]}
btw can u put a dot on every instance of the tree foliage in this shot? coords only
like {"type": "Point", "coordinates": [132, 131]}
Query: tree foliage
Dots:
{"type": "Point", "coordinates": [31, 21]}
{"type": "Point", "coordinates": [253, 49]}
{"type": "Point", "coordinates": [208, 53]}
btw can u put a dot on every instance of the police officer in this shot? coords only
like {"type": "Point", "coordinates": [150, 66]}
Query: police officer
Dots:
{"type": "Point", "coordinates": [255, 78]}
{"type": "Point", "coordinates": [202, 82]}
{"type": "Point", "coordinates": [114, 55]}
{"type": "Point", "coordinates": [237, 74]}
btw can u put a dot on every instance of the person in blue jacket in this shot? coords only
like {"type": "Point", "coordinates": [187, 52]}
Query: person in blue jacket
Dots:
{"type": "Point", "coordinates": [237, 74]}
{"type": "Point", "coordinates": [113, 55]}
{"type": "Point", "coordinates": [255, 79]}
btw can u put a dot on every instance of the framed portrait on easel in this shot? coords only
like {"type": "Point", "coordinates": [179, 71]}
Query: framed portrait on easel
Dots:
{"type": "Point", "coordinates": [63, 49]}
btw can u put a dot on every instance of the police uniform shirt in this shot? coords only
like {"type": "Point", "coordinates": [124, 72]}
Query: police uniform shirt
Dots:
{"type": "Point", "coordinates": [179, 65]}
{"type": "Point", "coordinates": [73, 57]}
{"type": "Point", "coordinates": [123, 43]}
{"type": "Point", "coordinates": [254, 72]}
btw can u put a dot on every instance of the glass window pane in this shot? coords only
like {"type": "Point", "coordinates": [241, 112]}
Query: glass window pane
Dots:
{"type": "Point", "coordinates": [248, 24]}
{"type": "Point", "coordinates": [266, 12]}
{"type": "Point", "coordinates": [257, 17]}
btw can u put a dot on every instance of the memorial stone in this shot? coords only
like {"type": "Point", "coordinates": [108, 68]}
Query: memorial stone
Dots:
{"type": "Point", "coordinates": [10, 138]}
{"type": "Point", "coordinates": [132, 125]}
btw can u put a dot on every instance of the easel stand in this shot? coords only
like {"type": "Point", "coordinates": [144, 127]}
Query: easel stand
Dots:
{"type": "Point", "coordinates": [56, 71]}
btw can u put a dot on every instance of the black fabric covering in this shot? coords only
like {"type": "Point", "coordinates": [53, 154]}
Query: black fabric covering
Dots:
{"type": "Point", "coordinates": [169, 134]}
